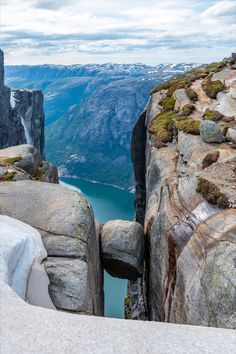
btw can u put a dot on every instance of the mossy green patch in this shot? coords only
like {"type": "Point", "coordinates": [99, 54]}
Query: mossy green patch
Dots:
{"type": "Point", "coordinates": [168, 103]}
{"type": "Point", "coordinates": [188, 125]}
{"type": "Point", "coordinates": [213, 67]}
{"type": "Point", "coordinates": [211, 193]}
{"type": "Point", "coordinates": [212, 115]}
{"type": "Point", "coordinates": [187, 109]}
{"type": "Point", "coordinates": [212, 88]}
{"type": "Point", "coordinates": [192, 95]}
{"type": "Point", "coordinates": [162, 126]}
{"type": "Point", "coordinates": [11, 160]}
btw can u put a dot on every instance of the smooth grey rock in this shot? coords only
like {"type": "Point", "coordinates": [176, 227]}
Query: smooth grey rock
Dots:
{"type": "Point", "coordinates": [122, 244]}
{"type": "Point", "coordinates": [23, 330]}
{"type": "Point", "coordinates": [69, 284]}
{"type": "Point", "coordinates": [210, 132]}
{"type": "Point", "coordinates": [57, 212]}
{"type": "Point", "coordinates": [231, 135]}
{"type": "Point", "coordinates": [181, 99]}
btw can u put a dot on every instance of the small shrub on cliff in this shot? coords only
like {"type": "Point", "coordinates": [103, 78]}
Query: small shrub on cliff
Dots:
{"type": "Point", "coordinates": [212, 115]}
{"type": "Point", "coordinates": [214, 67]}
{"type": "Point", "coordinates": [188, 125]}
{"type": "Point", "coordinates": [162, 126]}
{"type": "Point", "coordinates": [168, 104]}
{"type": "Point", "coordinates": [192, 95]}
{"type": "Point", "coordinates": [212, 88]}
{"type": "Point", "coordinates": [187, 109]}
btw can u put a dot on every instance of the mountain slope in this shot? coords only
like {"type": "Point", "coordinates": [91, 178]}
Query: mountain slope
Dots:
{"type": "Point", "coordinates": [90, 112]}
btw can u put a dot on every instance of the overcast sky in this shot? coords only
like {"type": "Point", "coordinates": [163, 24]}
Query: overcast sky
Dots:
{"type": "Point", "coordinates": [123, 31]}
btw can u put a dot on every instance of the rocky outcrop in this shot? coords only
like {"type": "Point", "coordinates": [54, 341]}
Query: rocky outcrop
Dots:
{"type": "Point", "coordinates": [24, 162]}
{"type": "Point", "coordinates": [21, 115]}
{"type": "Point", "coordinates": [122, 248]}
{"type": "Point", "coordinates": [190, 200]}
{"type": "Point", "coordinates": [22, 253]}
{"type": "Point", "coordinates": [65, 221]}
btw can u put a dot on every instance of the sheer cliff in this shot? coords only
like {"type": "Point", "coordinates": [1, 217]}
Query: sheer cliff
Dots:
{"type": "Point", "coordinates": [183, 151]}
{"type": "Point", "coordinates": [21, 115]}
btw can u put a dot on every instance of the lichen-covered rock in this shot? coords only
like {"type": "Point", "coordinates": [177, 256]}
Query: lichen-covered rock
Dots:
{"type": "Point", "coordinates": [122, 247]}
{"type": "Point", "coordinates": [65, 221]}
{"type": "Point", "coordinates": [210, 132]}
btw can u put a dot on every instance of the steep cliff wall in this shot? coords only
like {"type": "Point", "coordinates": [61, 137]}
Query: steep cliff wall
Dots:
{"type": "Point", "coordinates": [21, 115]}
{"type": "Point", "coordinates": [187, 199]}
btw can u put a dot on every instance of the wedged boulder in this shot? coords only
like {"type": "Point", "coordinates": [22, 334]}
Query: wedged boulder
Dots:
{"type": "Point", "coordinates": [21, 256]}
{"type": "Point", "coordinates": [122, 245]}
{"type": "Point", "coordinates": [205, 288]}
{"type": "Point", "coordinates": [65, 221]}
{"type": "Point", "coordinates": [210, 132]}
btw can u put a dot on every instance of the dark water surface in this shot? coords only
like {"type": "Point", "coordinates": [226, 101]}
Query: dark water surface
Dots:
{"type": "Point", "coordinates": [108, 203]}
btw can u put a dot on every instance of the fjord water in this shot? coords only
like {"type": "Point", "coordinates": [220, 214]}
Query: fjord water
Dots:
{"type": "Point", "coordinates": [108, 203]}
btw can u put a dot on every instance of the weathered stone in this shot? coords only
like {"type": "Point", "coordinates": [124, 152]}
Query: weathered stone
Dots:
{"type": "Point", "coordinates": [65, 214]}
{"type": "Point", "coordinates": [122, 244]}
{"type": "Point", "coordinates": [70, 284]}
{"type": "Point", "coordinates": [47, 172]}
{"type": "Point", "coordinates": [210, 158]}
{"type": "Point", "coordinates": [231, 135]}
{"type": "Point", "coordinates": [181, 99]}
{"type": "Point", "coordinates": [205, 288]}
{"type": "Point", "coordinates": [210, 132]}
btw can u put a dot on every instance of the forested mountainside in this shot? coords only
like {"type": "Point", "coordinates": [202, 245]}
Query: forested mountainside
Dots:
{"type": "Point", "coordinates": [90, 111]}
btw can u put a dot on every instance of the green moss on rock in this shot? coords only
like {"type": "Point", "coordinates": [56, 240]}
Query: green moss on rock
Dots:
{"type": "Point", "coordinates": [187, 109]}
{"type": "Point", "coordinates": [191, 94]}
{"type": "Point", "coordinates": [211, 193]}
{"type": "Point", "coordinates": [216, 66]}
{"type": "Point", "coordinates": [168, 103]}
{"type": "Point", "coordinates": [11, 160]}
{"type": "Point", "coordinates": [162, 126]}
{"type": "Point", "coordinates": [212, 88]}
{"type": "Point", "coordinates": [188, 125]}
{"type": "Point", "coordinates": [212, 115]}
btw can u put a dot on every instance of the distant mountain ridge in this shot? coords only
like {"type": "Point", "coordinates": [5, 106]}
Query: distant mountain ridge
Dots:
{"type": "Point", "coordinates": [90, 112]}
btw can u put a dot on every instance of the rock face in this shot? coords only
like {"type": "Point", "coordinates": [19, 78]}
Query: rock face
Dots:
{"type": "Point", "coordinates": [21, 115]}
{"type": "Point", "coordinates": [22, 253]}
{"type": "Point", "coordinates": [188, 203]}
{"type": "Point", "coordinates": [66, 223]}
{"type": "Point", "coordinates": [122, 247]}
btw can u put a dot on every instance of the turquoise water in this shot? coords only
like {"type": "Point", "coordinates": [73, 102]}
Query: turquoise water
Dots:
{"type": "Point", "coordinates": [108, 203]}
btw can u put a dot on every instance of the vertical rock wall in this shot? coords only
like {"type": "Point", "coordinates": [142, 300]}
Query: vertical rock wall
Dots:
{"type": "Point", "coordinates": [21, 115]}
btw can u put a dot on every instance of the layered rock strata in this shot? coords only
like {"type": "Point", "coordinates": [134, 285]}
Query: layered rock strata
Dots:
{"type": "Point", "coordinates": [189, 218]}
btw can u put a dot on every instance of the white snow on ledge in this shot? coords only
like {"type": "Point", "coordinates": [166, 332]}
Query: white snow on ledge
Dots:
{"type": "Point", "coordinates": [21, 255]}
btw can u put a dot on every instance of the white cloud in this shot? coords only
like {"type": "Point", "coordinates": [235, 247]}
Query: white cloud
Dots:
{"type": "Point", "coordinates": [71, 31]}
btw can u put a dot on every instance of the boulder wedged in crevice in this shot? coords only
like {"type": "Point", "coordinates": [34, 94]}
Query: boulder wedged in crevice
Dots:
{"type": "Point", "coordinates": [122, 249]}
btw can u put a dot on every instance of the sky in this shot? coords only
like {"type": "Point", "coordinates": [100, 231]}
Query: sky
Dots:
{"type": "Point", "coordinates": [121, 31]}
